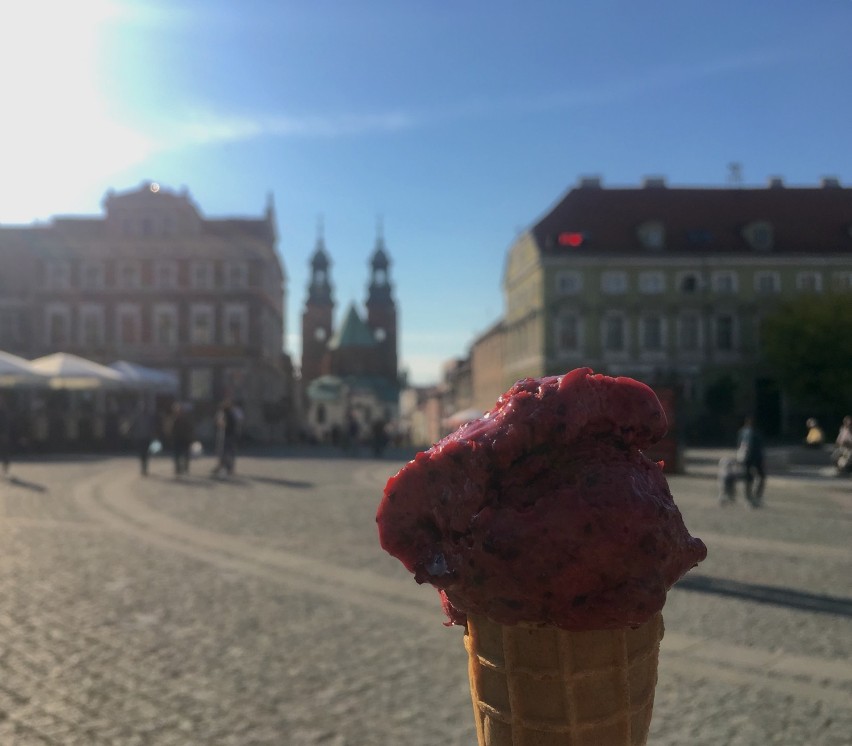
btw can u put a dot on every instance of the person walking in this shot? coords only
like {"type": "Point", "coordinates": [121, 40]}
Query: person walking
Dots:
{"type": "Point", "coordinates": [750, 455]}
{"type": "Point", "coordinates": [815, 437]}
{"type": "Point", "coordinates": [143, 431]}
{"type": "Point", "coordinates": [228, 420]}
{"type": "Point", "coordinates": [842, 454]}
{"type": "Point", "coordinates": [182, 434]}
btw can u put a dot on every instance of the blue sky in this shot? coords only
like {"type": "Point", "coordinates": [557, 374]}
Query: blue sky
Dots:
{"type": "Point", "coordinates": [459, 123]}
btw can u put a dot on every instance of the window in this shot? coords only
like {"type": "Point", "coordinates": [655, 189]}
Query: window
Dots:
{"type": "Point", "coordinates": [92, 275]}
{"type": "Point", "coordinates": [614, 282]}
{"type": "Point", "coordinates": [724, 282]}
{"type": "Point", "coordinates": [201, 276]}
{"type": "Point", "coordinates": [689, 283]}
{"type": "Point", "coordinates": [58, 324]}
{"type": "Point", "coordinates": [652, 235]}
{"type": "Point", "coordinates": [568, 333]}
{"type": "Point", "coordinates": [725, 333]}
{"type": "Point", "coordinates": [841, 281]}
{"type": "Point", "coordinates": [759, 235]}
{"type": "Point", "coordinates": [10, 327]}
{"type": "Point", "coordinates": [689, 331]}
{"type": "Point", "coordinates": [652, 333]}
{"type": "Point", "coordinates": [236, 324]}
{"type": "Point", "coordinates": [201, 324]}
{"type": "Point", "coordinates": [236, 275]}
{"type": "Point", "coordinates": [128, 327]}
{"type": "Point", "coordinates": [129, 276]}
{"type": "Point", "coordinates": [652, 283]}
{"type": "Point", "coordinates": [699, 237]}
{"type": "Point", "coordinates": [165, 324]}
{"type": "Point", "coordinates": [165, 275]}
{"type": "Point", "coordinates": [613, 333]}
{"type": "Point", "coordinates": [91, 325]}
{"type": "Point", "coordinates": [569, 283]}
{"type": "Point", "coordinates": [200, 383]}
{"type": "Point", "coordinates": [767, 282]}
{"type": "Point", "coordinates": [809, 282]}
{"type": "Point", "coordinates": [58, 274]}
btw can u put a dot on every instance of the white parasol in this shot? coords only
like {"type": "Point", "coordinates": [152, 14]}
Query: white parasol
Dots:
{"type": "Point", "coordinates": [146, 378]}
{"type": "Point", "coordinates": [66, 371]}
{"type": "Point", "coordinates": [16, 371]}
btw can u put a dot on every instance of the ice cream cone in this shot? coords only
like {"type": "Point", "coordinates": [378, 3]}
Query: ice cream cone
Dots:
{"type": "Point", "coordinates": [535, 685]}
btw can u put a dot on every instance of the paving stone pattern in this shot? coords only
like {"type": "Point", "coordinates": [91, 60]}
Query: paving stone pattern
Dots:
{"type": "Point", "coordinates": [259, 610]}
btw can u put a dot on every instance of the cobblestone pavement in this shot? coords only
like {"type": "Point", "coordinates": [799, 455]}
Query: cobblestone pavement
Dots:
{"type": "Point", "coordinates": [260, 610]}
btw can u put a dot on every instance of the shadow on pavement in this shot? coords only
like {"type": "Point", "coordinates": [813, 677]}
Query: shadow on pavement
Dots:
{"type": "Point", "coordinates": [767, 594]}
{"type": "Point", "coordinates": [18, 482]}
{"type": "Point", "coordinates": [280, 482]}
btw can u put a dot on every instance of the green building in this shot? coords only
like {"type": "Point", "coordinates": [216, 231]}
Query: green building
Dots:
{"type": "Point", "coordinates": [669, 286]}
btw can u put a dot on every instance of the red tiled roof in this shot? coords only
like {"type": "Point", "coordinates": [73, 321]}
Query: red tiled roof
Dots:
{"type": "Point", "coordinates": [804, 220]}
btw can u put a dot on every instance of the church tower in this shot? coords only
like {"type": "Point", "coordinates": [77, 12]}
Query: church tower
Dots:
{"type": "Point", "coordinates": [318, 314]}
{"type": "Point", "coordinates": [381, 311]}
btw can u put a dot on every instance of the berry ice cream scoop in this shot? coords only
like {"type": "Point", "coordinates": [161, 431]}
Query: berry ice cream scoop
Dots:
{"type": "Point", "coordinates": [554, 541]}
{"type": "Point", "coordinates": [545, 510]}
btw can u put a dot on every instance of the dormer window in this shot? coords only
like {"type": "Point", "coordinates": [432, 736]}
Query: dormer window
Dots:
{"type": "Point", "coordinates": [699, 237]}
{"type": "Point", "coordinates": [652, 235]}
{"type": "Point", "coordinates": [759, 235]}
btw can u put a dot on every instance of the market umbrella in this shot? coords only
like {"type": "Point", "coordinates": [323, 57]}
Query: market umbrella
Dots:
{"type": "Point", "coordinates": [16, 371]}
{"type": "Point", "coordinates": [146, 378]}
{"type": "Point", "coordinates": [66, 371]}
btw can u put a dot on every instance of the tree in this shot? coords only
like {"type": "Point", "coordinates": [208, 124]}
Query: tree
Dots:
{"type": "Point", "coordinates": [808, 343]}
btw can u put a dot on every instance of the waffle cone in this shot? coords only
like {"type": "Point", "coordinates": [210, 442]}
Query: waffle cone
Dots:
{"type": "Point", "coordinates": [544, 686]}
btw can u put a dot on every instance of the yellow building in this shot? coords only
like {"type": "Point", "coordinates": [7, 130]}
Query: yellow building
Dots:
{"type": "Point", "coordinates": [669, 285]}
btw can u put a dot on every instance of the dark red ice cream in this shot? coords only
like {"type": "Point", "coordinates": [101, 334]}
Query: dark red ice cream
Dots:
{"type": "Point", "coordinates": [544, 509]}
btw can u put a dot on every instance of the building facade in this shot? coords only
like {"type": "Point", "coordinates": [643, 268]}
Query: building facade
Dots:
{"type": "Point", "coordinates": [155, 282]}
{"type": "Point", "coordinates": [669, 285]}
{"type": "Point", "coordinates": [350, 373]}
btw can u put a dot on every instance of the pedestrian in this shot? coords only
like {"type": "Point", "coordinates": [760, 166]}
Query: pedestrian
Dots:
{"type": "Point", "coordinates": [841, 457]}
{"type": "Point", "coordinates": [5, 435]}
{"type": "Point", "coordinates": [379, 437]}
{"type": "Point", "coordinates": [182, 432]}
{"type": "Point", "coordinates": [844, 435]}
{"type": "Point", "coordinates": [750, 456]}
{"type": "Point", "coordinates": [228, 420]}
{"type": "Point", "coordinates": [144, 429]}
{"type": "Point", "coordinates": [815, 437]}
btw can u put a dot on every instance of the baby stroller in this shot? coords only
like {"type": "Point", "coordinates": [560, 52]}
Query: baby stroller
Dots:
{"type": "Point", "coordinates": [730, 472]}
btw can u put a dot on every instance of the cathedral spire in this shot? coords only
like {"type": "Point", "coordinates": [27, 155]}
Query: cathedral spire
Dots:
{"type": "Point", "coordinates": [380, 289]}
{"type": "Point", "coordinates": [319, 288]}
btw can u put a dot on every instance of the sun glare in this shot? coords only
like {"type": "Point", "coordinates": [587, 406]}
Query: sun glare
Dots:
{"type": "Point", "coordinates": [59, 137]}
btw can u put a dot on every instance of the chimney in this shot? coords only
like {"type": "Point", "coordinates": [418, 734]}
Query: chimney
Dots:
{"type": "Point", "coordinates": [654, 182]}
{"type": "Point", "coordinates": [830, 182]}
{"type": "Point", "coordinates": [776, 182]}
{"type": "Point", "coordinates": [590, 182]}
